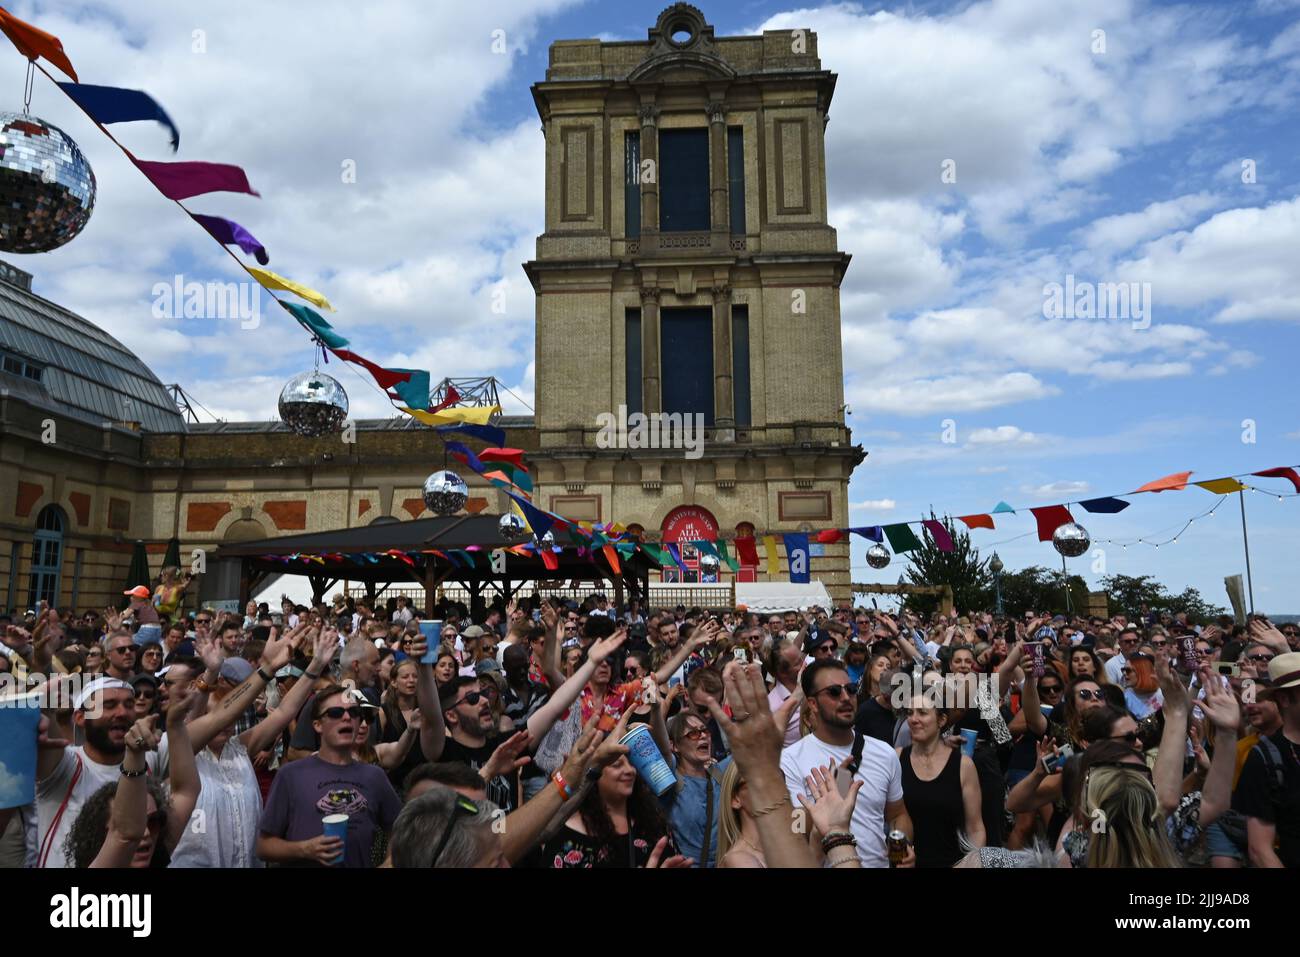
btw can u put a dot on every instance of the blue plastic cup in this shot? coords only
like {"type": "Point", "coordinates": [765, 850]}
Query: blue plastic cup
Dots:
{"type": "Point", "coordinates": [647, 759]}
{"type": "Point", "coordinates": [968, 738]}
{"type": "Point", "coordinates": [1046, 710]}
{"type": "Point", "coordinates": [431, 630]}
{"type": "Point", "coordinates": [336, 825]}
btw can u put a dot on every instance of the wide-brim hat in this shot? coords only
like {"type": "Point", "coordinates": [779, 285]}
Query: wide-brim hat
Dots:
{"type": "Point", "coordinates": [1284, 671]}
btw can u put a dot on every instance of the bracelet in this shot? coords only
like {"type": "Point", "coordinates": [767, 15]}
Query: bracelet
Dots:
{"type": "Point", "coordinates": [840, 840]}
{"type": "Point", "coordinates": [132, 774]}
{"type": "Point", "coordinates": [772, 807]}
{"type": "Point", "coordinates": [566, 792]}
{"type": "Point", "coordinates": [847, 861]}
{"type": "Point", "coordinates": [261, 673]}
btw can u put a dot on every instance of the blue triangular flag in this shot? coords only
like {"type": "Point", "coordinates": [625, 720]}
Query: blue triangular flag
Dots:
{"type": "Point", "coordinates": [873, 532]}
{"type": "Point", "coordinates": [1004, 507]}
{"type": "Point", "coordinates": [111, 104]}
{"type": "Point", "coordinates": [1105, 506]}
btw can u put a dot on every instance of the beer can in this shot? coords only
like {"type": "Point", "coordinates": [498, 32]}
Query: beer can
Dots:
{"type": "Point", "coordinates": [896, 842]}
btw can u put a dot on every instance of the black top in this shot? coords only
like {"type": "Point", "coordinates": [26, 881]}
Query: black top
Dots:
{"type": "Point", "coordinates": [501, 790]}
{"type": "Point", "coordinates": [1259, 796]}
{"type": "Point", "coordinates": [875, 721]}
{"type": "Point", "coordinates": [570, 849]}
{"type": "Point", "coordinates": [936, 810]}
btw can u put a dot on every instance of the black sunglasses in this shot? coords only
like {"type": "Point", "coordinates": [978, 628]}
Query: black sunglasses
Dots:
{"type": "Point", "coordinates": [1260, 658]}
{"type": "Point", "coordinates": [471, 697]}
{"type": "Point", "coordinates": [1049, 689]}
{"type": "Point", "coordinates": [125, 650]}
{"type": "Point", "coordinates": [835, 691]}
{"type": "Point", "coordinates": [1130, 739]}
{"type": "Point", "coordinates": [1087, 694]}
{"type": "Point", "coordinates": [463, 807]}
{"type": "Point", "coordinates": [337, 712]}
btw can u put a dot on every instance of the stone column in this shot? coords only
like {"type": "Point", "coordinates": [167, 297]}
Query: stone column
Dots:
{"type": "Point", "coordinates": [719, 208]}
{"type": "Point", "coordinates": [649, 114]}
{"type": "Point", "coordinates": [724, 413]}
{"type": "Point", "coordinates": [651, 397]}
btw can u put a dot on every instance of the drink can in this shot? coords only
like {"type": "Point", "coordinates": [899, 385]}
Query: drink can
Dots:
{"type": "Point", "coordinates": [896, 842]}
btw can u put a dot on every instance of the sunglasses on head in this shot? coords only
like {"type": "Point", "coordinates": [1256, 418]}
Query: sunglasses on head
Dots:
{"type": "Point", "coordinates": [850, 689]}
{"type": "Point", "coordinates": [463, 807]}
{"type": "Point", "coordinates": [337, 712]}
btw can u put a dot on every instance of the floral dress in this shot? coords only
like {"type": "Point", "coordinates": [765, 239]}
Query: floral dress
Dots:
{"type": "Point", "coordinates": [570, 848]}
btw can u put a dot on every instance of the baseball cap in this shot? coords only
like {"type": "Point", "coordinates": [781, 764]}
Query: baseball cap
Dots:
{"type": "Point", "coordinates": [139, 591]}
{"type": "Point", "coordinates": [143, 678]}
{"type": "Point", "coordinates": [236, 670]}
{"type": "Point", "coordinates": [473, 631]}
{"type": "Point", "coordinates": [486, 665]}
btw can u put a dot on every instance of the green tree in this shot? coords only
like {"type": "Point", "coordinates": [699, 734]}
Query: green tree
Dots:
{"type": "Point", "coordinates": [962, 569]}
{"type": "Point", "coordinates": [1131, 594]}
{"type": "Point", "coordinates": [1040, 589]}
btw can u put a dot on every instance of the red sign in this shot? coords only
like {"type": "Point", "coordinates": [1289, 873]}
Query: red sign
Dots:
{"type": "Point", "coordinates": [690, 523]}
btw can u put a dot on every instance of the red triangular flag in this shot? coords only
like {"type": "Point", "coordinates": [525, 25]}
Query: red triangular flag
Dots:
{"type": "Point", "coordinates": [1170, 483]}
{"type": "Point", "coordinates": [746, 550]}
{"type": "Point", "coordinates": [1050, 518]}
{"type": "Point", "coordinates": [550, 559]}
{"type": "Point", "coordinates": [1286, 473]}
{"type": "Point", "coordinates": [33, 42]}
{"type": "Point", "coordinates": [385, 378]}
{"type": "Point", "coordinates": [514, 456]}
{"type": "Point", "coordinates": [976, 521]}
{"type": "Point", "coordinates": [830, 536]}
{"type": "Point", "coordinates": [611, 556]}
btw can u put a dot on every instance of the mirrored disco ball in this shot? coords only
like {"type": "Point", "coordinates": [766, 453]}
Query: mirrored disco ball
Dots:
{"type": "Point", "coordinates": [878, 556]}
{"type": "Point", "coordinates": [511, 527]}
{"type": "Point", "coordinates": [708, 562]}
{"type": "Point", "coordinates": [47, 189]}
{"type": "Point", "coordinates": [1071, 539]}
{"type": "Point", "coordinates": [445, 493]}
{"type": "Point", "coordinates": [313, 404]}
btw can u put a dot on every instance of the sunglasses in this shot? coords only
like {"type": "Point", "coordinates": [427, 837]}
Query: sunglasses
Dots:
{"type": "Point", "coordinates": [835, 691]}
{"type": "Point", "coordinates": [1049, 689]}
{"type": "Point", "coordinates": [1130, 739]}
{"type": "Point", "coordinates": [1087, 694]}
{"type": "Point", "coordinates": [463, 807]}
{"type": "Point", "coordinates": [695, 733]}
{"type": "Point", "coordinates": [123, 650]}
{"type": "Point", "coordinates": [145, 693]}
{"type": "Point", "coordinates": [336, 713]}
{"type": "Point", "coordinates": [1263, 659]}
{"type": "Point", "coordinates": [202, 621]}
{"type": "Point", "coordinates": [471, 697]}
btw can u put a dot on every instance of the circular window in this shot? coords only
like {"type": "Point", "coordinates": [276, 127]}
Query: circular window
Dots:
{"type": "Point", "coordinates": [680, 34]}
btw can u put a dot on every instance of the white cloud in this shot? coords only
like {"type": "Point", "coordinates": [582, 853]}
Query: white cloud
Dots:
{"type": "Point", "coordinates": [1003, 435]}
{"type": "Point", "coordinates": [1056, 489]}
{"type": "Point", "coordinates": [14, 788]}
{"type": "Point", "coordinates": [1125, 230]}
{"type": "Point", "coordinates": [874, 505]}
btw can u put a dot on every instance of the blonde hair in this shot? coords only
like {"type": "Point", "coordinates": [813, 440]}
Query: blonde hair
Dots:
{"type": "Point", "coordinates": [1134, 832]}
{"type": "Point", "coordinates": [729, 817]}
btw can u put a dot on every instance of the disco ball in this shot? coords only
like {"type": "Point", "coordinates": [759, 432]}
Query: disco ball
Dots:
{"type": "Point", "coordinates": [878, 556]}
{"type": "Point", "coordinates": [708, 562]}
{"type": "Point", "coordinates": [47, 189]}
{"type": "Point", "coordinates": [1071, 539]}
{"type": "Point", "coordinates": [511, 527]}
{"type": "Point", "coordinates": [548, 538]}
{"type": "Point", "coordinates": [313, 404]}
{"type": "Point", "coordinates": [445, 493]}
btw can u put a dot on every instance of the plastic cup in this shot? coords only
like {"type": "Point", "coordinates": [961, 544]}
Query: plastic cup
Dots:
{"type": "Point", "coordinates": [431, 631]}
{"type": "Point", "coordinates": [968, 738]}
{"type": "Point", "coordinates": [336, 825]}
{"type": "Point", "coordinates": [647, 759]}
{"type": "Point", "coordinates": [1046, 710]}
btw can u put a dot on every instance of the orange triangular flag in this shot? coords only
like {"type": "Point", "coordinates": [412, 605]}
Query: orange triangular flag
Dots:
{"type": "Point", "coordinates": [32, 42]}
{"type": "Point", "coordinates": [977, 521]}
{"type": "Point", "coordinates": [1170, 483]}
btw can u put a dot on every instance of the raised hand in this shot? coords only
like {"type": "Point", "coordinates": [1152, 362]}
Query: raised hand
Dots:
{"type": "Point", "coordinates": [43, 740]}
{"type": "Point", "coordinates": [276, 653]}
{"type": "Point", "coordinates": [606, 646]}
{"type": "Point", "coordinates": [142, 735]}
{"type": "Point", "coordinates": [506, 757]}
{"type": "Point", "coordinates": [755, 739]}
{"type": "Point", "coordinates": [1171, 688]}
{"type": "Point", "coordinates": [210, 652]}
{"type": "Point", "coordinates": [1219, 703]}
{"type": "Point", "coordinates": [178, 703]}
{"type": "Point", "coordinates": [324, 644]}
{"type": "Point", "coordinates": [829, 810]}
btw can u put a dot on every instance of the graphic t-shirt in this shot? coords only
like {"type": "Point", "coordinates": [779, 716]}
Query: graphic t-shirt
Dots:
{"type": "Point", "coordinates": [501, 790]}
{"type": "Point", "coordinates": [306, 791]}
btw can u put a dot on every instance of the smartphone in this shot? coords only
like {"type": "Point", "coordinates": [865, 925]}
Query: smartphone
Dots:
{"type": "Point", "coordinates": [1036, 658]}
{"type": "Point", "coordinates": [740, 654]}
{"type": "Point", "coordinates": [1052, 763]}
{"type": "Point", "coordinates": [1230, 669]}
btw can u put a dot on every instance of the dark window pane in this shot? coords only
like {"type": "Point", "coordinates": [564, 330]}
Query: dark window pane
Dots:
{"type": "Point", "coordinates": [632, 186]}
{"type": "Point", "coordinates": [633, 348]}
{"type": "Point", "coordinates": [740, 362]}
{"type": "Point", "coordinates": [687, 337]}
{"type": "Point", "coordinates": [736, 177]}
{"type": "Point", "coordinates": [683, 180]}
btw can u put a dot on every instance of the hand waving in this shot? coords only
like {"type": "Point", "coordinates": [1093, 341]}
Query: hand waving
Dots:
{"type": "Point", "coordinates": [829, 810]}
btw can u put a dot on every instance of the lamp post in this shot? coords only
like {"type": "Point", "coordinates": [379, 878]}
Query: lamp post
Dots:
{"type": "Point", "coordinates": [996, 566]}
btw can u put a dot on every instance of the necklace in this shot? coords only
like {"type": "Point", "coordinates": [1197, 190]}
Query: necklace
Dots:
{"type": "Point", "coordinates": [757, 851]}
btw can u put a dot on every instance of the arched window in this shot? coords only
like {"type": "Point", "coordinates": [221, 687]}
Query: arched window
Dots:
{"type": "Point", "coordinates": [47, 555]}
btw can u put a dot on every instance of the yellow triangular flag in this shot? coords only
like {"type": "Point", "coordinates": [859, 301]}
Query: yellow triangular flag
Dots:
{"type": "Point", "coordinates": [272, 281]}
{"type": "Point", "coordinates": [474, 414]}
{"type": "Point", "coordinates": [1223, 486]}
{"type": "Point", "coordinates": [773, 560]}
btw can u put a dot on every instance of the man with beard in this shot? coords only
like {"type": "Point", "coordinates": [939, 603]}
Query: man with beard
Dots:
{"type": "Point", "coordinates": [826, 684]}
{"type": "Point", "coordinates": [122, 656]}
{"type": "Point", "coordinates": [66, 776]}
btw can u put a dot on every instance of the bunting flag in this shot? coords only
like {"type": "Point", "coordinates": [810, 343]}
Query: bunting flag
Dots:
{"type": "Point", "coordinates": [725, 555]}
{"type": "Point", "coordinates": [796, 554]}
{"type": "Point", "coordinates": [514, 457]}
{"type": "Point", "coordinates": [230, 233]}
{"type": "Point", "coordinates": [315, 323]}
{"type": "Point", "coordinates": [939, 534]}
{"type": "Point", "coordinates": [773, 558]}
{"type": "Point", "coordinates": [611, 556]}
{"type": "Point", "coordinates": [830, 536]}
{"type": "Point", "coordinates": [871, 532]}
{"type": "Point", "coordinates": [706, 548]}
{"type": "Point", "coordinates": [1223, 486]}
{"type": "Point", "coordinates": [550, 560]}
{"type": "Point", "coordinates": [1050, 518]}
{"type": "Point", "coordinates": [273, 281]}
{"type": "Point", "coordinates": [1105, 506]}
{"type": "Point", "coordinates": [182, 180]}
{"type": "Point", "coordinates": [467, 555]}
{"type": "Point", "coordinates": [901, 538]}
{"type": "Point", "coordinates": [1286, 473]}
{"type": "Point", "coordinates": [655, 552]}
{"type": "Point", "coordinates": [977, 521]}
{"type": "Point", "coordinates": [518, 475]}
{"type": "Point", "coordinates": [475, 414]}
{"type": "Point", "coordinates": [415, 390]}
{"type": "Point", "coordinates": [1170, 483]}
{"type": "Point", "coordinates": [111, 104]}
{"type": "Point", "coordinates": [451, 399]}
{"type": "Point", "coordinates": [463, 454]}
{"type": "Point", "coordinates": [484, 433]}
{"type": "Point", "coordinates": [33, 42]}
{"type": "Point", "coordinates": [746, 550]}
{"type": "Point", "coordinates": [384, 378]}
{"type": "Point", "coordinates": [540, 522]}
{"type": "Point", "coordinates": [1003, 507]}
{"type": "Point", "coordinates": [676, 554]}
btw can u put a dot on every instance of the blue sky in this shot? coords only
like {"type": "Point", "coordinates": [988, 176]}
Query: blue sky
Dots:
{"type": "Point", "coordinates": [1117, 166]}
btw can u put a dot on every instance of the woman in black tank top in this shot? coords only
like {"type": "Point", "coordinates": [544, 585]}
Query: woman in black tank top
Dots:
{"type": "Point", "coordinates": [940, 790]}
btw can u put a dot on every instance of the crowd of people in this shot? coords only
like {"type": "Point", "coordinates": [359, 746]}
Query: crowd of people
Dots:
{"type": "Point", "coordinates": [558, 734]}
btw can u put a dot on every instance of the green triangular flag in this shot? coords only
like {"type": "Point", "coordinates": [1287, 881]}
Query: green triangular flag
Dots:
{"type": "Point", "coordinates": [901, 538]}
{"type": "Point", "coordinates": [725, 555]}
{"type": "Point", "coordinates": [706, 548]}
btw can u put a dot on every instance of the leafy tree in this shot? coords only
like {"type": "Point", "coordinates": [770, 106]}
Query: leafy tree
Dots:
{"type": "Point", "coordinates": [1132, 594]}
{"type": "Point", "coordinates": [1040, 589]}
{"type": "Point", "coordinates": [962, 569]}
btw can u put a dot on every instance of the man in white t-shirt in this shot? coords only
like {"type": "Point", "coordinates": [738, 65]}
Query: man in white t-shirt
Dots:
{"type": "Point", "coordinates": [880, 805]}
{"type": "Point", "coordinates": [67, 777]}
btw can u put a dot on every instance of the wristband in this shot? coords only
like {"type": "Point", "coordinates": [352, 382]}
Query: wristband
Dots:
{"type": "Point", "coordinates": [201, 686]}
{"type": "Point", "coordinates": [566, 792]}
{"type": "Point", "coordinates": [132, 774]}
{"type": "Point", "coordinates": [261, 673]}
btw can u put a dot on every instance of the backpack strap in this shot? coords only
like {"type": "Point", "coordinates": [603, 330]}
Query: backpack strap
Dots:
{"type": "Point", "coordinates": [1272, 758]}
{"type": "Point", "coordinates": [47, 843]}
{"type": "Point", "coordinates": [859, 743]}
